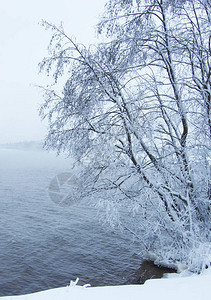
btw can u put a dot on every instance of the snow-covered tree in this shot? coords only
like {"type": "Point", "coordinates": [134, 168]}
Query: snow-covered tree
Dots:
{"type": "Point", "coordinates": [135, 111]}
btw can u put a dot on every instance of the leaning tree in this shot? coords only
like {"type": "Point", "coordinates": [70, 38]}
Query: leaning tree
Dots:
{"type": "Point", "coordinates": [135, 111]}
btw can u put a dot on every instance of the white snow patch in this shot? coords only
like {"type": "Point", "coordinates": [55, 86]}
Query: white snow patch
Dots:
{"type": "Point", "coordinates": [195, 287]}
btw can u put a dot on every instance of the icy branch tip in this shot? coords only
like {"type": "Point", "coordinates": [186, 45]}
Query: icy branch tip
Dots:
{"type": "Point", "coordinates": [74, 283]}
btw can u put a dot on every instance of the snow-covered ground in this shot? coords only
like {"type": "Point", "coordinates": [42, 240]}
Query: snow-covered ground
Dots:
{"type": "Point", "coordinates": [195, 287]}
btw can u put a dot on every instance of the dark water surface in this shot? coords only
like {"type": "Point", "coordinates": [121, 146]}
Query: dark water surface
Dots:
{"type": "Point", "coordinates": [43, 245]}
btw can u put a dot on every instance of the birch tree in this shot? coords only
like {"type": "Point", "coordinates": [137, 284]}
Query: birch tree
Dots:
{"type": "Point", "coordinates": [136, 112]}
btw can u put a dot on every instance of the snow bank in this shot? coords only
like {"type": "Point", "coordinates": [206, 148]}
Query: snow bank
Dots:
{"type": "Point", "coordinates": [195, 287]}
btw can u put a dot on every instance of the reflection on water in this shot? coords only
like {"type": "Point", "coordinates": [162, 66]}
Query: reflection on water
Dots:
{"type": "Point", "coordinates": [43, 245]}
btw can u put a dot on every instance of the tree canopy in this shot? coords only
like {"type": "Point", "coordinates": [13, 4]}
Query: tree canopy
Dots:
{"type": "Point", "coordinates": [135, 110]}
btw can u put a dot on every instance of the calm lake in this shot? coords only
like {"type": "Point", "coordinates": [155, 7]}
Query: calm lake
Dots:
{"type": "Point", "coordinates": [44, 245]}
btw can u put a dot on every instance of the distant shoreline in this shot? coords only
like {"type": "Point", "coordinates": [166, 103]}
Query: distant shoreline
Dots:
{"type": "Point", "coordinates": [31, 145]}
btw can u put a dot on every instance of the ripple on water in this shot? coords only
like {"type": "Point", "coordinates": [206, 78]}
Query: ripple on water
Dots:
{"type": "Point", "coordinates": [45, 246]}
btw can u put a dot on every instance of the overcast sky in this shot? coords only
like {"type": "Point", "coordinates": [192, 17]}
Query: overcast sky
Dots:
{"type": "Point", "coordinates": [23, 45]}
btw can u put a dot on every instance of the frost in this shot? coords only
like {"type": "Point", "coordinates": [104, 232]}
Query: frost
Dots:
{"type": "Point", "coordinates": [135, 113]}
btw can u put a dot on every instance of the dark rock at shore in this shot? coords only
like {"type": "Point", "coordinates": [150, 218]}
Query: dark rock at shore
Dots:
{"type": "Point", "coordinates": [149, 270]}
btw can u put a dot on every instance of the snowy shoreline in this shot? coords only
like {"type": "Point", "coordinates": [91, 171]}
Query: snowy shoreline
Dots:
{"type": "Point", "coordinates": [179, 286]}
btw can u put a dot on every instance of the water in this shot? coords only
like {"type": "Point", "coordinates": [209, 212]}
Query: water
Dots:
{"type": "Point", "coordinates": [43, 245]}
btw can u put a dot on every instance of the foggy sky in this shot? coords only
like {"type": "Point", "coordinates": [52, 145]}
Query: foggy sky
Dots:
{"type": "Point", "coordinates": [23, 46]}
